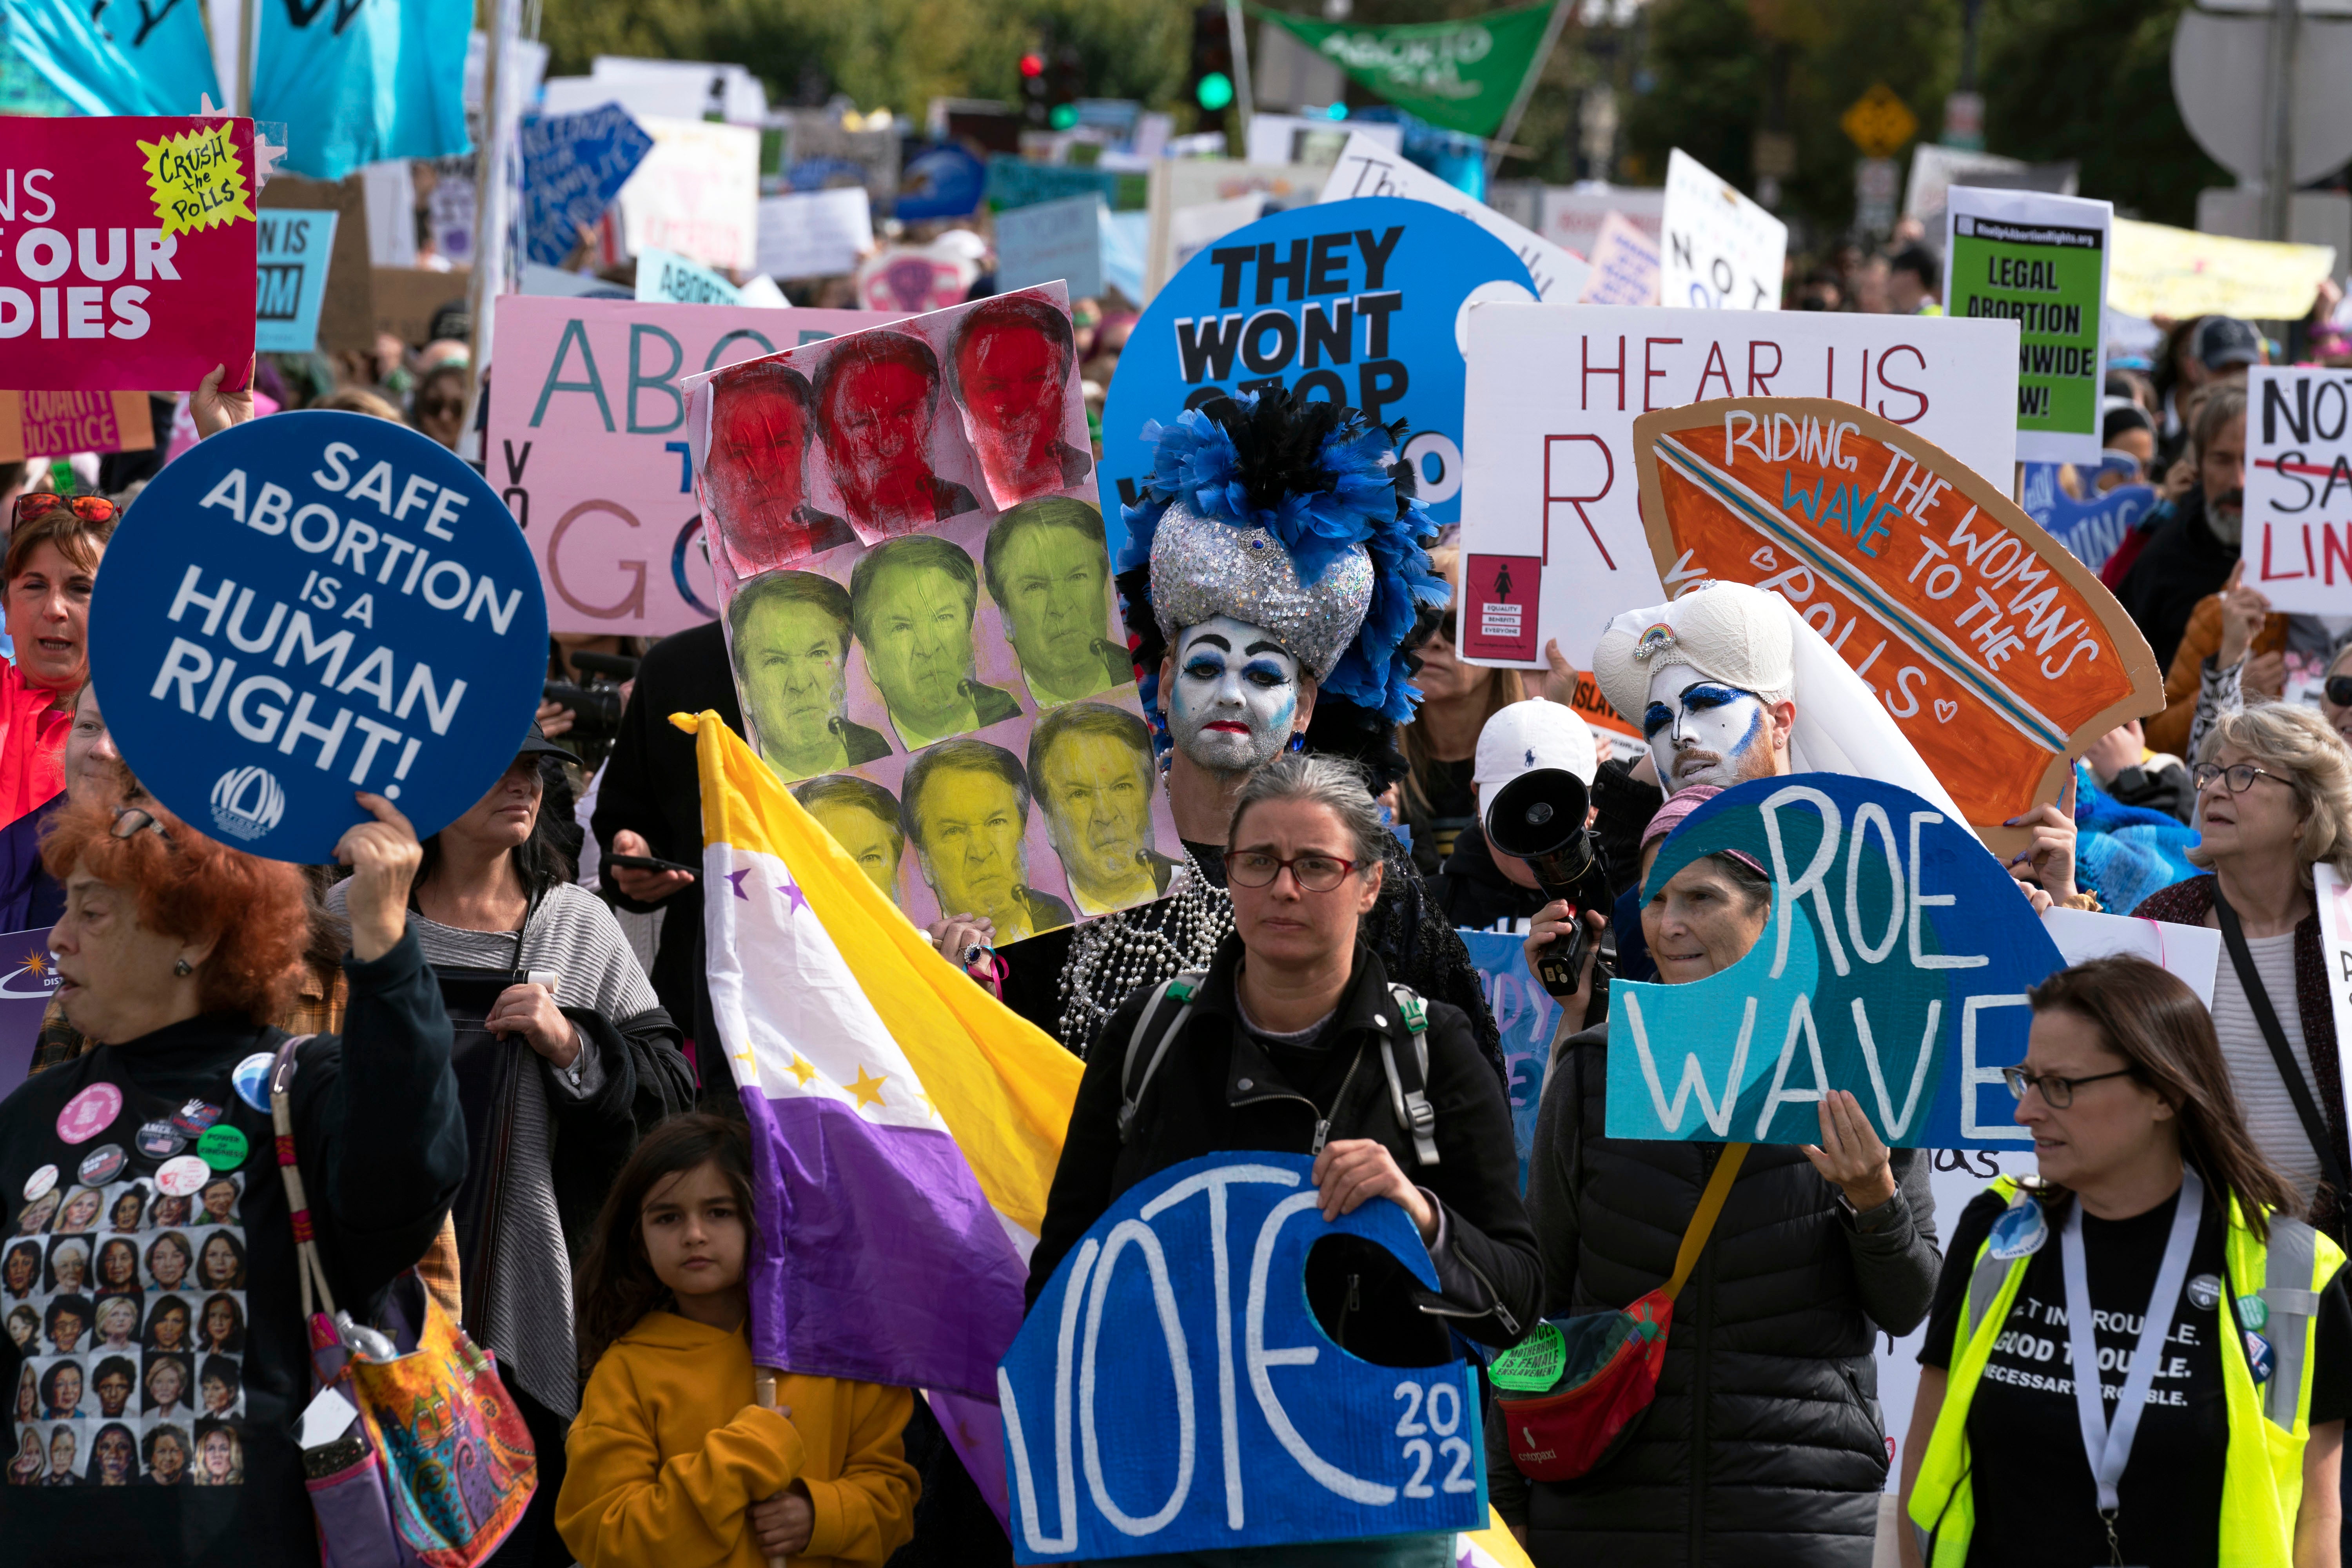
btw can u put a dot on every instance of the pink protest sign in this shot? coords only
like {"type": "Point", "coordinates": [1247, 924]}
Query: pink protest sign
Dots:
{"type": "Point", "coordinates": [587, 444]}
{"type": "Point", "coordinates": [126, 252]}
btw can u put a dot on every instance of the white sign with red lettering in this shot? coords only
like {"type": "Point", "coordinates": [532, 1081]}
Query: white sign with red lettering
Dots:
{"type": "Point", "coordinates": [1551, 523]}
{"type": "Point", "coordinates": [2298, 531]}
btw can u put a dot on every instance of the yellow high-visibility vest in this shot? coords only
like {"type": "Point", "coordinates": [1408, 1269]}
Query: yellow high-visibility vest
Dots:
{"type": "Point", "coordinates": [2262, 1474]}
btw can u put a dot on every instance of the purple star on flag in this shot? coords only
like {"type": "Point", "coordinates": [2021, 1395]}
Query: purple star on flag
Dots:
{"type": "Point", "coordinates": [793, 891]}
{"type": "Point", "coordinates": [736, 880]}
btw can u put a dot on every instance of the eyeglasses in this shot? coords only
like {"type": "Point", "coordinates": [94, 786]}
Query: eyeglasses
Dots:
{"type": "Point", "coordinates": [2340, 690]}
{"type": "Point", "coordinates": [2057, 1093]}
{"type": "Point", "coordinates": [131, 821]}
{"type": "Point", "coordinates": [2239, 778]}
{"type": "Point", "coordinates": [1313, 873]}
{"type": "Point", "coordinates": [35, 504]}
{"type": "Point", "coordinates": [437, 407]}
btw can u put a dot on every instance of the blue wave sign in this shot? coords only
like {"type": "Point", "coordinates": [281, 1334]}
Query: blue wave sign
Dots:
{"type": "Point", "coordinates": [1171, 1391]}
{"type": "Point", "coordinates": [1363, 302]}
{"type": "Point", "coordinates": [1893, 964]}
{"type": "Point", "coordinates": [312, 605]}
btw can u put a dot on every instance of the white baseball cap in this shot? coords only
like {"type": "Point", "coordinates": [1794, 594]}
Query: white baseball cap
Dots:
{"type": "Point", "coordinates": [1529, 735]}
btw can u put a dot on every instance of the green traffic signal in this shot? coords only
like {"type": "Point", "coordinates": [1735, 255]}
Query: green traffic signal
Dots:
{"type": "Point", "coordinates": [1215, 91]}
{"type": "Point", "coordinates": [1063, 116]}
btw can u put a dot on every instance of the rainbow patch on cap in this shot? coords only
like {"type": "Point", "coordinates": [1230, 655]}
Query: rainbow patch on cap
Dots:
{"type": "Point", "coordinates": [1656, 639]}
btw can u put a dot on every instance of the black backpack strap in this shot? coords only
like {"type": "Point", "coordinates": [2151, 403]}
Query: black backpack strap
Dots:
{"type": "Point", "coordinates": [1409, 1078]}
{"type": "Point", "coordinates": [2298, 1088]}
{"type": "Point", "coordinates": [1163, 1017]}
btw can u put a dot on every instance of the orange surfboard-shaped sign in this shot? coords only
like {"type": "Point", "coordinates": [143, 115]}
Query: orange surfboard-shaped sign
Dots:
{"type": "Point", "coordinates": [2000, 655]}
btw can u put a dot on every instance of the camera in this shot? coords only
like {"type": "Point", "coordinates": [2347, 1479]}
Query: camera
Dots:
{"type": "Point", "coordinates": [1539, 817]}
{"type": "Point", "coordinates": [596, 703]}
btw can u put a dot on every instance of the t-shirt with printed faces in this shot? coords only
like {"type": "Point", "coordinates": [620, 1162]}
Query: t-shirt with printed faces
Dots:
{"type": "Point", "coordinates": [2038, 1502]}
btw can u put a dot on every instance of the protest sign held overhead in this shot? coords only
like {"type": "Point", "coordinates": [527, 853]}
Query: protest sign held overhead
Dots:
{"type": "Point", "coordinates": [587, 446]}
{"type": "Point", "coordinates": [572, 167]}
{"type": "Point", "coordinates": [333, 84]}
{"type": "Point", "coordinates": [1894, 965]}
{"type": "Point", "coordinates": [2298, 511]}
{"type": "Point", "coordinates": [1365, 168]}
{"type": "Point", "coordinates": [128, 255]}
{"type": "Point", "coordinates": [39, 424]}
{"type": "Point", "coordinates": [317, 604]}
{"type": "Point", "coordinates": [1998, 654]}
{"type": "Point", "coordinates": [2041, 261]}
{"type": "Point", "coordinates": [292, 257]}
{"type": "Point", "coordinates": [812, 234]}
{"type": "Point", "coordinates": [663, 279]}
{"type": "Point", "coordinates": [1226, 1416]}
{"type": "Point", "coordinates": [2091, 529]}
{"type": "Point", "coordinates": [1053, 240]}
{"type": "Point", "coordinates": [1722, 252]}
{"type": "Point", "coordinates": [1625, 266]}
{"type": "Point", "coordinates": [697, 193]}
{"type": "Point", "coordinates": [1462, 74]}
{"type": "Point", "coordinates": [1359, 302]}
{"type": "Point", "coordinates": [906, 281]}
{"type": "Point", "coordinates": [920, 610]}
{"type": "Point", "coordinates": [1549, 498]}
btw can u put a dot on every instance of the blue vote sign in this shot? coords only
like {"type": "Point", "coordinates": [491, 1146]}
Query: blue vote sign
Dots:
{"type": "Point", "coordinates": [1171, 1391]}
{"type": "Point", "coordinates": [1527, 1015]}
{"type": "Point", "coordinates": [1364, 302]}
{"type": "Point", "coordinates": [1893, 964]}
{"type": "Point", "coordinates": [312, 605]}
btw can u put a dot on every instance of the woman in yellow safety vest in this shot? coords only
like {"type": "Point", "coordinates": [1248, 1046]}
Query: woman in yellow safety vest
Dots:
{"type": "Point", "coordinates": [2158, 1262]}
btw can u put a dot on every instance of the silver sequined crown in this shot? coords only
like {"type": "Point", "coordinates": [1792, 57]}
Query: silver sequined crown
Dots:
{"type": "Point", "coordinates": [1202, 568]}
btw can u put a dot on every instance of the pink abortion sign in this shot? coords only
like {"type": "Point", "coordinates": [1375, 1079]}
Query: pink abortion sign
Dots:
{"type": "Point", "coordinates": [587, 444]}
{"type": "Point", "coordinates": [127, 252]}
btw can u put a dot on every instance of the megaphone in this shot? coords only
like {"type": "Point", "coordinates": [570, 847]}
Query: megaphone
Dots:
{"type": "Point", "coordinates": [1539, 817]}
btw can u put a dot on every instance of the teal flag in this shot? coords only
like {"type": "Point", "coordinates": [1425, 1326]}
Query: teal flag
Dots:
{"type": "Point", "coordinates": [1459, 75]}
{"type": "Point", "coordinates": [117, 56]}
{"type": "Point", "coordinates": [356, 81]}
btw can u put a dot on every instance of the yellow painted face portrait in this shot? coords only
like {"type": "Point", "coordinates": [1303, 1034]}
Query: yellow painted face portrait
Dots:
{"type": "Point", "coordinates": [1096, 791]}
{"type": "Point", "coordinates": [917, 624]}
{"type": "Point", "coordinates": [1050, 580]}
{"type": "Point", "coordinates": [874, 845]}
{"type": "Point", "coordinates": [794, 675]}
{"type": "Point", "coordinates": [968, 827]}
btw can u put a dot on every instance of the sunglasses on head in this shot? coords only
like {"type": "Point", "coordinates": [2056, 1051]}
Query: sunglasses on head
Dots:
{"type": "Point", "coordinates": [36, 504]}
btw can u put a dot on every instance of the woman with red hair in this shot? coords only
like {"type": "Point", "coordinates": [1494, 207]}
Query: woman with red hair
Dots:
{"type": "Point", "coordinates": [172, 955]}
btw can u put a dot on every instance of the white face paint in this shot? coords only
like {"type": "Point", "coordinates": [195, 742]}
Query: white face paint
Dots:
{"type": "Point", "coordinates": [1234, 695]}
{"type": "Point", "coordinates": [1702, 731]}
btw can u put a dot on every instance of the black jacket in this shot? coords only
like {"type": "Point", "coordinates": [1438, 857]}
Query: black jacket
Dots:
{"type": "Point", "coordinates": [382, 1146]}
{"type": "Point", "coordinates": [1764, 1445]}
{"type": "Point", "coordinates": [1219, 1089]}
{"type": "Point", "coordinates": [651, 785]}
{"type": "Point", "coordinates": [2164, 787]}
{"type": "Point", "coordinates": [2183, 562]}
{"type": "Point", "coordinates": [1472, 889]}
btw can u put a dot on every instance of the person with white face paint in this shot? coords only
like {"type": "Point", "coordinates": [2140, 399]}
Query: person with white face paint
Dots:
{"type": "Point", "coordinates": [1251, 628]}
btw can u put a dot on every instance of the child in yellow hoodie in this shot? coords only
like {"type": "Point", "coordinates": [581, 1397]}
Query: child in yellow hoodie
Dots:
{"type": "Point", "coordinates": [671, 1460]}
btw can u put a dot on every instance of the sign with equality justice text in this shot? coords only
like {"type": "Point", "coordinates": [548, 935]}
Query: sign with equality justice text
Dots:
{"type": "Point", "coordinates": [1894, 965]}
{"type": "Point", "coordinates": [1216, 1413]}
{"type": "Point", "coordinates": [309, 605]}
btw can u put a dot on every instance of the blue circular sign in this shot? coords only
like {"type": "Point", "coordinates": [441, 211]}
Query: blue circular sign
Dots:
{"type": "Point", "coordinates": [1363, 302]}
{"type": "Point", "coordinates": [309, 605]}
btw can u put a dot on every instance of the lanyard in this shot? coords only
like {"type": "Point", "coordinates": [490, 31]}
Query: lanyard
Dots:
{"type": "Point", "coordinates": [2109, 1448]}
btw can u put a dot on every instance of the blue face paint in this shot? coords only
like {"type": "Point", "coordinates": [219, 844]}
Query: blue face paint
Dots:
{"type": "Point", "coordinates": [1703, 731]}
{"type": "Point", "coordinates": [1236, 695]}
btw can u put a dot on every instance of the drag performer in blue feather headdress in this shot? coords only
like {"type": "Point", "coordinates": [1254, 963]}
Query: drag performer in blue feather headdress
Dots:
{"type": "Point", "coordinates": [1273, 575]}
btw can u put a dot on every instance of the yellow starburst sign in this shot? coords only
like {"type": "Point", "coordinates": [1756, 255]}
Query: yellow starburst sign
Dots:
{"type": "Point", "coordinates": [1879, 122]}
{"type": "Point", "coordinates": [198, 179]}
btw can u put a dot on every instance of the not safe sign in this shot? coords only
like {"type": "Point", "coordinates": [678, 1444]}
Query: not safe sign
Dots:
{"type": "Point", "coordinates": [1172, 1392]}
{"type": "Point", "coordinates": [309, 605]}
{"type": "Point", "coordinates": [127, 252]}
{"type": "Point", "coordinates": [1361, 302]}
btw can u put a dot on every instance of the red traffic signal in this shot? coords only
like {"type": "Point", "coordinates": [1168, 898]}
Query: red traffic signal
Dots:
{"type": "Point", "coordinates": [1033, 65]}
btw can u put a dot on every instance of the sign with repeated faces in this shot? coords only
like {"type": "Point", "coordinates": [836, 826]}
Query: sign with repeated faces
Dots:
{"type": "Point", "coordinates": [128, 1302]}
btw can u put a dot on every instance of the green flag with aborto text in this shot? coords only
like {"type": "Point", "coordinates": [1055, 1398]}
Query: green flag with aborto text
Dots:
{"type": "Point", "coordinates": [1460, 75]}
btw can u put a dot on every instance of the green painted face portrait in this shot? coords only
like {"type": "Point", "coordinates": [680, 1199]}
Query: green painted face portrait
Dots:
{"type": "Point", "coordinates": [918, 629]}
{"type": "Point", "coordinates": [874, 844]}
{"type": "Point", "coordinates": [793, 676]}
{"type": "Point", "coordinates": [1048, 581]}
{"type": "Point", "coordinates": [1096, 791]}
{"type": "Point", "coordinates": [968, 827]}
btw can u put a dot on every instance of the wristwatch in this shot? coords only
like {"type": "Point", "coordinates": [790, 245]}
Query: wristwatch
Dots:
{"type": "Point", "coordinates": [1870, 1220]}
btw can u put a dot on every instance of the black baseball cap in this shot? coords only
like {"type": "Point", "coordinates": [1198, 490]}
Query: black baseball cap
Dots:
{"type": "Point", "coordinates": [537, 745]}
{"type": "Point", "coordinates": [2224, 343]}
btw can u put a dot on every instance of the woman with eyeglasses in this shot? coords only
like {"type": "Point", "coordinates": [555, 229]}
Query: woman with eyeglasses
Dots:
{"type": "Point", "coordinates": [55, 545]}
{"type": "Point", "coordinates": [1287, 1044]}
{"type": "Point", "coordinates": [2143, 1356]}
{"type": "Point", "coordinates": [438, 408]}
{"type": "Point", "coordinates": [174, 953]}
{"type": "Point", "coordinates": [2275, 798]}
{"type": "Point", "coordinates": [1763, 1446]}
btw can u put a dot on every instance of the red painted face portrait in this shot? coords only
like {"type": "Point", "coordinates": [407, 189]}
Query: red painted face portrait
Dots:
{"type": "Point", "coordinates": [756, 474]}
{"type": "Point", "coordinates": [1011, 371]}
{"type": "Point", "coordinates": [877, 398]}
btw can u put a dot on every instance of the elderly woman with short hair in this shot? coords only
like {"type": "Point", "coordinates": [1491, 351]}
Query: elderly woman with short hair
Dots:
{"type": "Point", "coordinates": [175, 954]}
{"type": "Point", "coordinates": [2273, 799]}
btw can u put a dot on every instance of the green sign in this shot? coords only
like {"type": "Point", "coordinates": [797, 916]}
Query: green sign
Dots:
{"type": "Point", "coordinates": [1459, 75]}
{"type": "Point", "coordinates": [2015, 256]}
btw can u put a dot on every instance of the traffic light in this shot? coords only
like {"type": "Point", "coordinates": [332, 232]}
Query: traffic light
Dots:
{"type": "Point", "coordinates": [1033, 90]}
{"type": "Point", "coordinates": [1211, 84]}
{"type": "Point", "coordinates": [1066, 83]}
